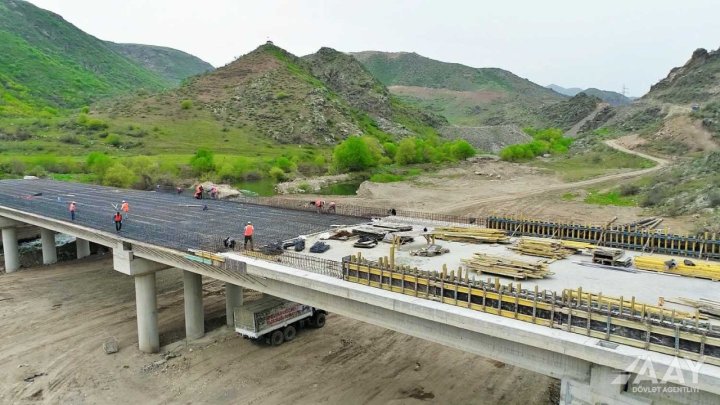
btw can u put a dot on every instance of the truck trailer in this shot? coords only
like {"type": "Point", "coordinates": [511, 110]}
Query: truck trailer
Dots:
{"type": "Point", "coordinates": [276, 320]}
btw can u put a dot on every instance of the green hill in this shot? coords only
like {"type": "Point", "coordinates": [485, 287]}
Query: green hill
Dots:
{"type": "Point", "coordinates": [463, 94]}
{"type": "Point", "coordinates": [269, 92]}
{"type": "Point", "coordinates": [171, 64]}
{"type": "Point", "coordinates": [48, 63]}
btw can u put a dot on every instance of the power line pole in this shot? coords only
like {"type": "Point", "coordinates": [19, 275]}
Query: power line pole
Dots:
{"type": "Point", "coordinates": [624, 90]}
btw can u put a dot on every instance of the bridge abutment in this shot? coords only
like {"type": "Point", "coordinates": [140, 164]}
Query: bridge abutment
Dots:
{"type": "Point", "coordinates": [194, 311]}
{"type": "Point", "coordinates": [233, 299]}
{"type": "Point", "coordinates": [49, 250]}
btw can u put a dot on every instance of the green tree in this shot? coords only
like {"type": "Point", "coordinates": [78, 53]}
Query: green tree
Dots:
{"type": "Point", "coordinates": [203, 162]}
{"type": "Point", "coordinates": [118, 175]}
{"type": "Point", "coordinates": [353, 154]}
{"type": "Point", "coordinates": [461, 149]}
{"type": "Point", "coordinates": [186, 104]}
{"type": "Point", "coordinates": [277, 173]}
{"type": "Point", "coordinates": [98, 163]}
{"type": "Point", "coordinates": [406, 152]}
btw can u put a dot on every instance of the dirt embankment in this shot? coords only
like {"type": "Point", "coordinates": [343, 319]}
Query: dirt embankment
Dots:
{"type": "Point", "coordinates": [53, 321]}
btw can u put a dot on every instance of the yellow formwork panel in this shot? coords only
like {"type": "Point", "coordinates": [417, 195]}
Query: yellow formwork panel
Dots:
{"type": "Point", "coordinates": [682, 266]}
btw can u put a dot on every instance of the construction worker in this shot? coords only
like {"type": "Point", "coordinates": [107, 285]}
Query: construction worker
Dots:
{"type": "Point", "coordinates": [331, 207]}
{"type": "Point", "coordinates": [118, 221]}
{"type": "Point", "coordinates": [319, 205]}
{"type": "Point", "coordinates": [213, 192]}
{"type": "Point", "coordinates": [199, 192]}
{"type": "Point", "coordinates": [125, 208]}
{"type": "Point", "coordinates": [72, 208]}
{"type": "Point", "coordinates": [249, 232]}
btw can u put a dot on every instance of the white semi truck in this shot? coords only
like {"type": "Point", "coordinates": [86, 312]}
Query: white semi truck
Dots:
{"type": "Point", "coordinates": [276, 320]}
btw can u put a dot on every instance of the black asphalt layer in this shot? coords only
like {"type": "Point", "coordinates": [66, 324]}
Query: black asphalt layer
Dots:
{"type": "Point", "coordinates": [163, 218]}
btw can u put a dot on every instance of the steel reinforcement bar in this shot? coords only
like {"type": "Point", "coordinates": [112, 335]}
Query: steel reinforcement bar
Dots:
{"type": "Point", "coordinates": [656, 241]}
{"type": "Point", "coordinates": [611, 319]}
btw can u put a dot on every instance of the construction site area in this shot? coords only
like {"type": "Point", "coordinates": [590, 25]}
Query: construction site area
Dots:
{"type": "Point", "coordinates": [625, 284]}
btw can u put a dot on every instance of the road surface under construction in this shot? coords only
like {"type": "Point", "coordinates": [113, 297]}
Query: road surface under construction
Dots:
{"type": "Point", "coordinates": [166, 219]}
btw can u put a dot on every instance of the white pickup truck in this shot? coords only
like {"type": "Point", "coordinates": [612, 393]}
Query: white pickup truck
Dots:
{"type": "Point", "coordinates": [276, 320]}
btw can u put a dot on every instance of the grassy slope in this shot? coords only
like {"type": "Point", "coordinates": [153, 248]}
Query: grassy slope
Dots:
{"type": "Point", "coordinates": [465, 95]}
{"type": "Point", "coordinates": [45, 61]}
{"type": "Point", "coordinates": [171, 64]}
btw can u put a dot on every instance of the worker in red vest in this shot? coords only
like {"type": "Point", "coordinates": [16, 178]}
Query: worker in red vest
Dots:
{"type": "Point", "coordinates": [118, 221]}
{"type": "Point", "coordinates": [249, 232]}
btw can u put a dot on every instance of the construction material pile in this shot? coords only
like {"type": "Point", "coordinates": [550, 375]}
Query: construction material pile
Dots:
{"type": "Point", "coordinates": [517, 269]}
{"type": "Point", "coordinates": [471, 234]}
{"type": "Point", "coordinates": [704, 305]}
{"type": "Point", "coordinates": [549, 248]}
{"type": "Point", "coordinates": [681, 266]}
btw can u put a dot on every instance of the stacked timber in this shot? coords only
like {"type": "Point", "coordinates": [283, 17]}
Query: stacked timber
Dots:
{"type": "Point", "coordinates": [680, 266]}
{"type": "Point", "coordinates": [577, 246]}
{"type": "Point", "coordinates": [517, 269]}
{"type": "Point", "coordinates": [549, 248]}
{"type": "Point", "coordinates": [471, 234]}
{"type": "Point", "coordinates": [703, 305]}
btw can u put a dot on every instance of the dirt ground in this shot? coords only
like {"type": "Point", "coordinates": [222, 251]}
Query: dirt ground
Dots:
{"type": "Point", "coordinates": [53, 321]}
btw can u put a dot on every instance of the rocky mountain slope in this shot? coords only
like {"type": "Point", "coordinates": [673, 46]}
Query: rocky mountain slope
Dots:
{"type": "Point", "coordinates": [465, 95]}
{"type": "Point", "coordinates": [171, 64]}
{"type": "Point", "coordinates": [46, 62]}
{"type": "Point", "coordinates": [318, 99]}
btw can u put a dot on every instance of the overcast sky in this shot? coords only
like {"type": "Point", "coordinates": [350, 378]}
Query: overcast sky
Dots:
{"type": "Point", "coordinates": [573, 43]}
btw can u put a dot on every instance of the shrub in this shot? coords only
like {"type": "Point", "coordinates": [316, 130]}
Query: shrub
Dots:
{"type": "Point", "coordinates": [70, 139]}
{"type": "Point", "coordinates": [461, 150]}
{"type": "Point", "coordinates": [98, 163]}
{"type": "Point", "coordinates": [353, 154]}
{"type": "Point", "coordinates": [202, 162]}
{"type": "Point", "coordinates": [186, 104]}
{"type": "Point", "coordinates": [113, 140]}
{"type": "Point", "coordinates": [629, 189]}
{"type": "Point", "coordinates": [118, 175]}
{"type": "Point", "coordinates": [390, 149]}
{"type": "Point", "coordinates": [285, 164]}
{"type": "Point", "coordinates": [305, 187]}
{"type": "Point", "coordinates": [406, 152]}
{"type": "Point", "coordinates": [277, 173]}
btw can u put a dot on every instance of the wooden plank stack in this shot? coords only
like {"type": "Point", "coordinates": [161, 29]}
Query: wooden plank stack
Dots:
{"type": "Point", "coordinates": [549, 248]}
{"type": "Point", "coordinates": [704, 305]}
{"type": "Point", "coordinates": [679, 265]}
{"type": "Point", "coordinates": [471, 234]}
{"type": "Point", "coordinates": [517, 269]}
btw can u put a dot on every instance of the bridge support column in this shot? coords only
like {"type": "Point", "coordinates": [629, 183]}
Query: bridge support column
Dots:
{"type": "Point", "coordinates": [10, 249]}
{"type": "Point", "coordinates": [233, 299]}
{"type": "Point", "coordinates": [83, 248]}
{"type": "Point", "coordinates": [49, 250]}
{"type": "Point", "coordinates": [147, 315]}
{"type": "Point", "coordinates": [194, 311]}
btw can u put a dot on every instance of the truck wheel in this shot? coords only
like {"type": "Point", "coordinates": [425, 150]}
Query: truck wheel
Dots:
{"type": "Point", "coordinates": [289, 333]}
{"type": "Point", "coordinates": [277, 338]}
{"type": "Point", "coordinates": [319, 320]}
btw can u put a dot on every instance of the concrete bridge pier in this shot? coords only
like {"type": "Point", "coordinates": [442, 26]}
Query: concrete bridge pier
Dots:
{"type": "Point", "coordinates": [144, 271]}
{"type": "Point", "coordinates": [147, 315]}
{"type": "Point", "coordinates": [194, 311]}
{"type": "Point", "coordinates": [82, 247]}
{"type": "Point", "coordinates": [49, 250]}
{"type": "Point", "coordinates": [233, 299]}
{"type": "Point", "coordinates": [10, 244]}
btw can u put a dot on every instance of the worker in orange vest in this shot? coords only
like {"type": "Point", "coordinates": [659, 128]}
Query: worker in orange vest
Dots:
{"type": "Point", "coordinates": [125, 208]}
{"type": "Point", "coordinates": [118, 221]}
{"type": "Point", "coordinates": [72, 208]}
{"type": "Point", "coordinates": [249, 231]}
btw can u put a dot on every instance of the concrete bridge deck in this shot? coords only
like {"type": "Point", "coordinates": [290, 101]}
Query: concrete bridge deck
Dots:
{"type": "Point", "coordinates": [166, 228]}
{"type": "Point", "coordinates": [165, 219]}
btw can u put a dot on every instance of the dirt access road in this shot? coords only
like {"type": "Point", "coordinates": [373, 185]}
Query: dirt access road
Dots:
{"type": "Point", "coordinates": [53, 321]}
{"type": "Point", "coordinates": [463, 207]}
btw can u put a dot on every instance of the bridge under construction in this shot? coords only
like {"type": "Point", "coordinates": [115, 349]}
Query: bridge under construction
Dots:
{"type": "Point", "coordinates": [582, 336]}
